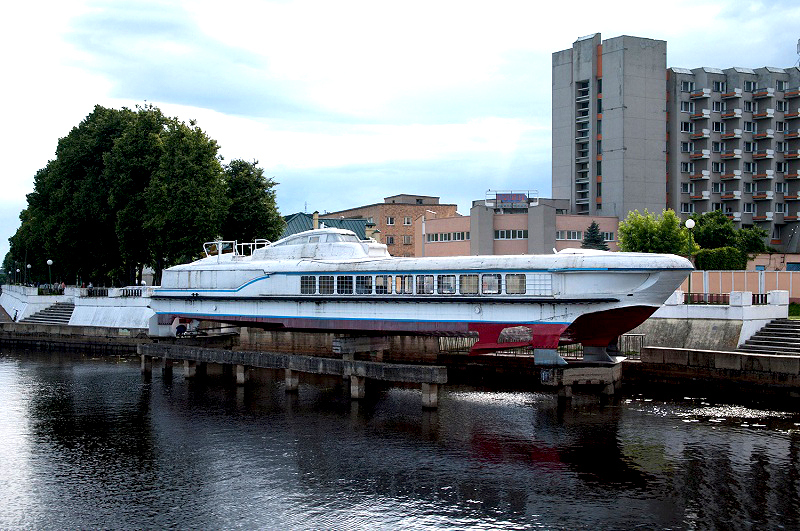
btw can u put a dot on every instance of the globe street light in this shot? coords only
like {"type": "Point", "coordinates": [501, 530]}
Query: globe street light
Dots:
{"type": "Point", "coordinates": [28, 272]}
{"type": "Point", "coordinates": [16, 277]}
{"type": "Point", "coordinates": [49, 272]}
{"type": "Point", "coordinates": [690, 225]}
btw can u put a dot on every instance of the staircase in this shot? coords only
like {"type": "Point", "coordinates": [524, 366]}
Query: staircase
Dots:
{"type": "Point", "coordinates": [57, 314]}
{"type": "Point", "coordinates": [780, 336]}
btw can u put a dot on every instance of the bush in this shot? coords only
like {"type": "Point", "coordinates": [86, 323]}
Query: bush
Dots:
{"type": "Point", "coordinates": [794, 309]}
{"type": "Point", "coordinates": [723, 258]}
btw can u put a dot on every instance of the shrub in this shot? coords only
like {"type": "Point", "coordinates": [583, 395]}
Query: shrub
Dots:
{"type": "Point", "coordinates": [723, 258]}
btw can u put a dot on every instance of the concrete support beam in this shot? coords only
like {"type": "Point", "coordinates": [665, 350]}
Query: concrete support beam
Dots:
{"type": "Point", "coordinates": [292, 379]}
{"type": "Point", "coordinates": [166, 368]}
{"type": "Point", "coordinates": [241, 374]}
{"type": "Point", "coordinates": [565, 392]}
{"type": "Point", "coordinates": [189, 369]}
{"type": "Point", "coordinates": [357, 387]}
{"type": "Point", "coordinates": [430, 395]}
{"type": "Point", "coordinates": [147, 364]}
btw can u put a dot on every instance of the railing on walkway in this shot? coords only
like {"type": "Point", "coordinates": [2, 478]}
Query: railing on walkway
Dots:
{"type": "Point", "coordinates": [97, 292]}
{"type": "Point", "coordinates": [759, 299]}
{"type": "Point", "coordinates": [48, 290]}
{"type": "Point", "coordinates": [130, 292]}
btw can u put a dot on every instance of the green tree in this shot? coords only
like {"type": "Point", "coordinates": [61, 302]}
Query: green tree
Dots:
{"type": "Point", "coordinates": [593, 238]}
{"type": "Point", "coordinates": [751, 240]}
{"type": "Point", "coordinates": [252, 211]}
{"type": "Point", "coordinates": [714, 230]}
{"type": "Point", "coordinates": [186, 200]}
{"type": "Point", "coordinates": [646, 233]}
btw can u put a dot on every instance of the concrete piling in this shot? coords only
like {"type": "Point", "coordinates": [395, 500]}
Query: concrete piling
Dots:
{"type": "Point", "coordinates": [292, 379]}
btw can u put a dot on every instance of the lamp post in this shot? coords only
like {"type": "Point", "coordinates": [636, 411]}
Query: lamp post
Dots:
{"type": "Point", "coordinates": [49, 271]}
{"type": "Point", "coordinates": [16, 277]}
{"type": "Point", "coordinates": [690, 225]}
{"type": "Point", "coordinates": [27, 272]}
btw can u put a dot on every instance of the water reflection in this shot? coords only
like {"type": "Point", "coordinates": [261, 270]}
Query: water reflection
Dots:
{"type": "Point", "coordinates": [93, 444]}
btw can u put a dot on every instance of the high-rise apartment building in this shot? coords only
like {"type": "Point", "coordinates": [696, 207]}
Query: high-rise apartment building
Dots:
{"type": "Point", "coordinates": [628, 133]}
{"type": "Point", "coordinates": [734, 145]}
{"type": "Point", "coordinates": [609, 125]}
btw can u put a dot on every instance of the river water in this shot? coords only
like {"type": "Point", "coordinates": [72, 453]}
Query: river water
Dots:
{"type": "Point", "coordinates": [91, 443]}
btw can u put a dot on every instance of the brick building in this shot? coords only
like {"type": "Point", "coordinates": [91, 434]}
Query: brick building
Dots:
{"type": "Point", "coordinates": [394, 218]}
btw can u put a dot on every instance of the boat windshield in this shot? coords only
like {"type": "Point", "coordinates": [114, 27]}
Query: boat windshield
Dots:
{"type": "Point", "coordinates": [215, 248]}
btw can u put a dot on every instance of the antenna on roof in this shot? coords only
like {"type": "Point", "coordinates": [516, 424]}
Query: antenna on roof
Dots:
{"type": "Point", "coordinates": [798, 52]}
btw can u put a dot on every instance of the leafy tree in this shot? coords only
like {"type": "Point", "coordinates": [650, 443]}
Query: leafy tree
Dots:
{"type": "Point", "coordinates": [593, 238]}
{"type": "Point", "coordinates": [186, 200]}
{"type": "Point", "coordinates": [646, 233]}
{"type": "Point", "coordinates": [751, 240]}
{"type": "Point", "coordinates": [721, 258]}
{"type": "Point", "coordinates": [253, 212]}
{"type": "Point", "coordinates": [713, 230]}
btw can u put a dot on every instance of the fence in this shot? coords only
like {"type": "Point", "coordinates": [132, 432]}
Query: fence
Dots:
{"type": "Point", "coordinates": [757, 282]}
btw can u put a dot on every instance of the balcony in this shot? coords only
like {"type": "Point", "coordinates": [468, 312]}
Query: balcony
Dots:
{"type": "Point", "coordinates": [702, 196]}
{"type": "Point", "coordinates": [698, 94]}
{"type": "Point", "coordinates": [582, 201]}
{"type": "Point", "coordinates": [792, 93]}
{"type": "Point", "coordinates": [768, 174]}
{"type": "Point", "coordinates": [769, 133]}
{"type": "Point", "coordinates": [732, 175]}
{"type": "Point", "coordinates": [704, 133]}
{"type": "Point", "coordinates": [736, 133]}
{"type": "Point", "coordinates": [702, 114]}
{"type": "Point", "coordinates": [734, 216]}
{"type": "Point", "coordinates": [703, 175]}
{"type": "Point", "coordinates": [766, 113]}
{"type": "Point", "coordinates": [766, 217]}
{"type": "Point", "coordinates": [700, 154]}
{"type": "Point", "coordinates": [731, 154]}
{"type": "Point", "coordinates": [791, 176]}
{"type": "Point", "coordinates": [733, 113]}
{"type": "Point", "coordinates": [734, 195]}
{"type": "Point", "coordinates": [764, 195]}
{"type": "Point", "coordinates": [762, 93]}
{"type": "Point", "coordinates": [764, 154]}
{"type": "Point", "coordinates": [735, 93]}
{"type": "Point", "coordinates": [791, 114]}
{"type": "Point", "coordinates": [791, 197]}
{"type": "Point", "coordinates": [792, 154]}
{"type": "Point", "coordinates": [791, 133]}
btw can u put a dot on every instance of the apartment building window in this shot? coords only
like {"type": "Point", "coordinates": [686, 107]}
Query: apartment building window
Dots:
{"type": "Point", "coordinates": [569, 235]}
{"type": "Point", "coordinates": [407, 220]}
{"type": "Point", "coordinates": [782, 208]}
{"type": "Point", "coordinates": [608, 236]}
{"type": "Point", "coordinates": [599, 127]}
{"type": "Point", "coordinates": [719, 86]}
{"type": "Point", "coordinates": [749, 167]}
{"type": "Point", "coordinates": [781, 167]}
{"type": "Point", "coordinates": [406, 240]}
{"type": "Point", "coordinates": [718, 127]}
{"type": "Point", "coordinates": [687, 86]}
{"type": "Point", "coordinates": [781, 127]}
{"type": "Point", "coordinates": [389, 220]}
{"type": "Point", "coordinates": [370, 220]}
{"type": "Point", "coordinates": [687, 188]}
{"type": "Point", "coordinates": [749, 86]}
{"type": "Point", "coordinates": [688, 147]}
{"type": "Point", "coordinates": [599, 168]}
{"type": "Point", "coordinates": [716, 147]}
{"type": "Point", "coordinates": [687, 208]}
{"type": "Point", "coordinates": [748, 188]}
{"type": "Point", "coordinates": [782, 147]}
{"type": "Point", "coordinates": [780, 85]}
{"type": "Point", "coordinates": [748, 106]}
{"type": "Point", "coordinates": [687, 167]}
{"type": "Point", "coordinates": [749, 147]}
{"type": "Point", "coordinates": [599, 189]}
{"type": "Point", "coordinates": [687, 106]}
{"type": "Point", "coordinates": [716, 206]}
{"type": "Point", "coordinates": [599, 106]}
{"type": "Point", "coordinates": [781, 106]}
{"type": "Point", "coordinates": [718, 167]}
{"type": "Point", "coordinates": [750, 127]}
{"type": "Point", "coordinates": [390, 240]}
{"type": "Point", "coordinates": [780, 188]}
{"type": "Point", "coordinates": [749, 208]}
{"type": "Point", "coordinates": [687, 127]}
{"type": "Point", "coordinates": [776, 229]}
{"type": "Point", "coordinates": [716, 188]}
{"type": "Point", "coordinates": [511, 234]}
{"type": "Point", "coordinates": [719, 106]}
{"type": "Point", "coordinates": [460, 236]}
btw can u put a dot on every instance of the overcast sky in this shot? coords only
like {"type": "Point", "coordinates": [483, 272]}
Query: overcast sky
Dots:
{"type": "Point", "coordinates": [344, 102]}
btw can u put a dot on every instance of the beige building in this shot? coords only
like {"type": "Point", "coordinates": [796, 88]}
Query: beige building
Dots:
{"type": "Point", "coordinates": [394, 219]}
{"type": "Point", "coordinates": [508, 223]}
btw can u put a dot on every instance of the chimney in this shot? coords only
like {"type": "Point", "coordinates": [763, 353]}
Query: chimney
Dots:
{"type": "Point", "coordinates": [315, 218]}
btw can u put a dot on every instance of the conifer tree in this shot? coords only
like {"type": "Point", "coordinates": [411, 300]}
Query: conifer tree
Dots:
{"type": "Point", "coordinates": [593, 238]}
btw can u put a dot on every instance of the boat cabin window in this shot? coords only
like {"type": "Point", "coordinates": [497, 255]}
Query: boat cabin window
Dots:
{"type": "Point", "coordinates": [383, 284]}
{"type": "Point", "coordinates": [490, 284]}
{"type": "Point", "coordinates": [515, 284]}
{"type": "Point", "coordinates": [363, 285]}
{"type": "Point", "coordinates": [308, 285]}
{"type": "Point", "coordinates": [424, 284]}
{"type": "Point", "coordinates": [404, 284]}
{"type": "Point", "coordinates": [446, 284]}
{"type": "Point", "coordinates": [469, 284]}
{"type": "Point", "coordinates": [344, 285]}
{"type": "Point", "coordinates": [326, 284]}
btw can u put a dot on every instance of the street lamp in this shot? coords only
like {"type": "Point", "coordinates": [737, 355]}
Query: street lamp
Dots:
{"type": "Point", "coordinates": [28, 272]}
{"type": "Point", "coordinates": [16, 277]}
{"type": "Point", "coordinates": [690, 225]}
{"type": "Point", "coordinates": [49, 271]}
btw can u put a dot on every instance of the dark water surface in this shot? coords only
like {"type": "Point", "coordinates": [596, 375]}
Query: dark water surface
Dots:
{"type": "Point", "coordinates": [89, 443]}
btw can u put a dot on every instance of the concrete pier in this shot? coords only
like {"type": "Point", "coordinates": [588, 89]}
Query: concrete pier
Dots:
{"type": "Point", "coordinates": [430, 377]}
{"type": "Point", "coordinates": [241, 374]}
{"type": "Point", "coordinates": [608, 378]}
